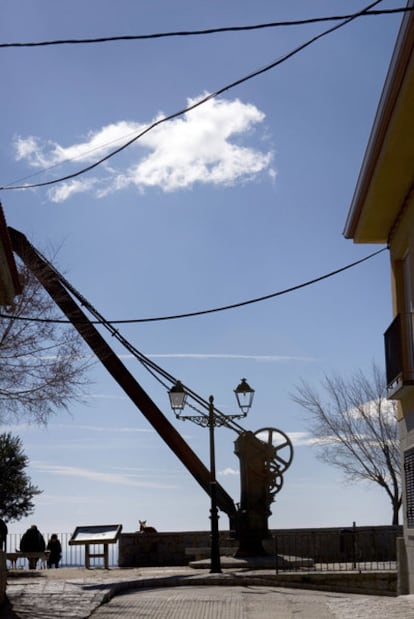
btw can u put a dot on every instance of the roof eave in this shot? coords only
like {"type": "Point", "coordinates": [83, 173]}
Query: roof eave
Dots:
{"type": "Point", "coordinates": [402, 55]}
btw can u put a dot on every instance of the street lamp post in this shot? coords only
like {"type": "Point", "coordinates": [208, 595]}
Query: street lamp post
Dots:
{"type": "Point", "coordinates": [215, 567]}
{"type": "Point", "coordinates": [178, 397]}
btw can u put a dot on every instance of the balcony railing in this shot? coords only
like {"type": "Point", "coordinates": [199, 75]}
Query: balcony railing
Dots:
{"type": "Point", "coordinates": [399, 354]}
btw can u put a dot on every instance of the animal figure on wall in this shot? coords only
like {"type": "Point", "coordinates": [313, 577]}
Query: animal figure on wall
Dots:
{"type": "Point", "coordinates": [144, 529]}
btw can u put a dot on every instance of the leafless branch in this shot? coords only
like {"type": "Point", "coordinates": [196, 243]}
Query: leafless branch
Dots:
{"type": "Point", "coordinates": [355, 429]}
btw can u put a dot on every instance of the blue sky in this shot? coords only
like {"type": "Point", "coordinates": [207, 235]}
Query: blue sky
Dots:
{"type": "Point", "coordinates": [243, 196]}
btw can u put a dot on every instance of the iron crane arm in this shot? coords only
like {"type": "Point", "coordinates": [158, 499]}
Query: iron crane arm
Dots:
{"type": "Point", "coordinates": [50, 281]}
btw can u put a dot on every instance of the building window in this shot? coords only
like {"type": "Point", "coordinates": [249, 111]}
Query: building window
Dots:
{"type": "Point", "coordinates": [409, 485]}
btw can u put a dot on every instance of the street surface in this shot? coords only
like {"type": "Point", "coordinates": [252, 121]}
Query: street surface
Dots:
{"type": "Point", "coordinates": [251, 602]}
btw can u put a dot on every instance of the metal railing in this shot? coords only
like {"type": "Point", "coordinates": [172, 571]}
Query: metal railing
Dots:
{"type": "Point", "coordinates": [72, 556]}
{"type": "Point", "coordinates": [334, 551]}
{"type": "Point", "coordinates": [326, 550]}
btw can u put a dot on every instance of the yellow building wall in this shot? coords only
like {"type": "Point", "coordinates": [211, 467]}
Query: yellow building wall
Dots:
{"type": "Point", "coordinates": [402, 281]}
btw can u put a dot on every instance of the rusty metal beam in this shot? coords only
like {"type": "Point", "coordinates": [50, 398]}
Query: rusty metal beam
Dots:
{"type": "Point", "coordinates": [116, 368]}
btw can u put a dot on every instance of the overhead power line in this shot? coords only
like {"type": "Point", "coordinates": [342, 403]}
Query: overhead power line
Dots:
{"type": "Point", "coordinates": [223, 308]}
{"type": "Point", "coordinates": [204, 31]}
{"type": "Point", "coordinates": [195, 105]}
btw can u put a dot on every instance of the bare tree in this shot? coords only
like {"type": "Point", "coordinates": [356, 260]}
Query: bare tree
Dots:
{"type": "Point", "coordinates": [42, 363]}
{"type": "Point", "coordinates": [355, 429]}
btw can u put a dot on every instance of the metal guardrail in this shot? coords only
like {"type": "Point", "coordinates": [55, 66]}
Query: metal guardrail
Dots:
{"type": "Point", "coordinates": [72, 556]}
{"type": "Point", "coordinates": [334, 551]}
{"type": "Point", "coordinates": [330, 551]}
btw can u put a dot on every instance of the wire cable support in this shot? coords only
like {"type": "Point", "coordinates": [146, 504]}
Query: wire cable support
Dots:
{"type": "Point", "coordinates": [211, 310]}
{"type": "Point", "coordinates": [154, 369]}
{"type": "Point", "coordinates": [204, 31]}
{"type": "Point", "coordinates": [192, 107]}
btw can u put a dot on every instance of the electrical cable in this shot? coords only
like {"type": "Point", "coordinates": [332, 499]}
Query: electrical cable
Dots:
{"type": "Point", "coordinates": [205, 31]}
{"type": "Point", "coordinates": [193, 106]}
{"type": "Point", "coordinates": [154, 369]}
{"type": "Point", "coordinates": [207, 311]}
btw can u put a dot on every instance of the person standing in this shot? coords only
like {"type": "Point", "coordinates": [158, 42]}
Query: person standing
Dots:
{"type": "Point", "coordinates": [32, 541]}
{"type": "Point", "coordinates": [55, 551]}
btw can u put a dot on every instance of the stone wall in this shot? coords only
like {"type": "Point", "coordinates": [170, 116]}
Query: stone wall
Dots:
{"type": "Point", "coordinates": [156, 549]}
{"type": "Point", "coordinates": [328, 544]}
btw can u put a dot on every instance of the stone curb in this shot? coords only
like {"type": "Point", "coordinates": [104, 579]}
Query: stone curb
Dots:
{"type": "Point", "coordinates": [341, 582]}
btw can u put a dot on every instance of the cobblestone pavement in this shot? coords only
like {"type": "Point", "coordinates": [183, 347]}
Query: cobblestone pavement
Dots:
{"type": "Point", "coordinates": [159, 593]}
{"type": "Point", "coordinates": [252, 602]}
{"type": "Point", "coordinates": [71, 593]}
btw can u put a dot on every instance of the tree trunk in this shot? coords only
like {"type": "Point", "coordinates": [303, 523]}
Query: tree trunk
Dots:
{"type": "Point", "coordinates": [395, 512]}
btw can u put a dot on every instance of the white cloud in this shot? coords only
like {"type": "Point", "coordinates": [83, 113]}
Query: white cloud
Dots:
{"type": "Point", "coordinates": [96, 144]}
{"type": "Point", "coordinates": [192, 355]}
{"type": "Point", "coordinates": [67, 189]}
{"type": "Point", "coordinates": [28, 148]}
{"type": "Point", "coordinates": [221, 356]}
{"type": "Point", "coordinates": [228, 472]}
{"type": "Point", "coordinates": [197, 148]}
{"type": "Point", "coordinates": [302, 439]}
{"type": "Point", "coordinates": [97, 476]}
{"type": "Point", "coordinates": [202, 146]}
{"type": "Point", "coordinates": [298, 439]}
{"type": "Point", "coordinates": [64, 499]}
{"type": "Point", "coordinates": [373, 408]}
{"type": "Point", "coordinates": [105, 396]}
{"type": "Point", "coordinates": [112, 430]}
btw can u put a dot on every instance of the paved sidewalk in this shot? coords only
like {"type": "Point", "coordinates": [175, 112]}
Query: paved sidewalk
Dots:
{"type": "Point", "coordinates": [253, 602]}
{"type": "Point", "coordinates": [74, 592]}
{"type": "Point", "coordinates": [181, 593]}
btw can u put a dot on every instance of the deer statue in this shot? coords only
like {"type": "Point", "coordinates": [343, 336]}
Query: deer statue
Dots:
{"type": "Point", "coordinates": [144, 529]}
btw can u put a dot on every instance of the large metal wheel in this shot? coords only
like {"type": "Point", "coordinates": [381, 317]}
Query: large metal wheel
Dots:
{"type": "Point", "coordinates": [280, 448]}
